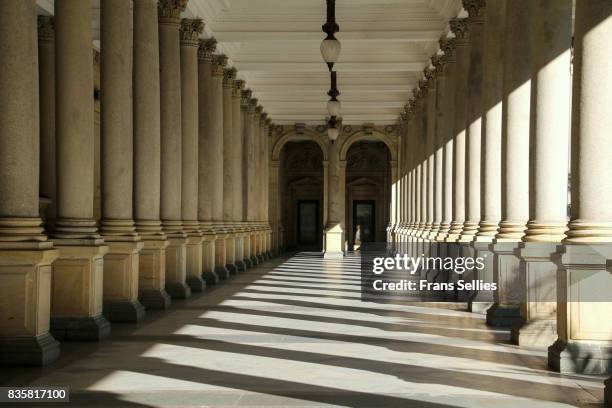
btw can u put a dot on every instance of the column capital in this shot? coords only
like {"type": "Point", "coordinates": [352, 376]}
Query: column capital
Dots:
{"type": "Point", "coordinates": [476, 10]}
{"type": "Point", "coordinates": [268, 122]}
{"type": "Point", "coordinates": [238, 87]}
{"type": "Point", "coordinates": [448, 46]}
{"type": "Point", "coordinates": [219, 63]}
{"type": "Point", "coordinates": [245, 99]}
{"type": "Point", "coordinates": [206, 48]}
{"type": "Point", "coordinates": [229, 77]}
{"type": "Point", "coordinates": [258, 111]}
{"type": "Point", "coordinates": [459, 27]}
{"type": "Point", "coordinates": [262, 118]}
{"type": "Point", "coordinates": [430, 77]}
{"type": "Point", "coordinates": [252, 105]}
{"type": "Point", "coordinates": [46, 28]}
{"type": "Point", "coordinates": [190, 30]}
{"type": "Point", "coordinates": [169, 11]}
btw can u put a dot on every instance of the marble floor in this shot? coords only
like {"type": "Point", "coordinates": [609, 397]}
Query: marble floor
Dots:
{"type": "Point", "coordinates": [293, 332]}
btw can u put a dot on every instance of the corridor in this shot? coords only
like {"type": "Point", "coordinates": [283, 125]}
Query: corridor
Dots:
{"type": "Point", "coordinates": [294, 332]}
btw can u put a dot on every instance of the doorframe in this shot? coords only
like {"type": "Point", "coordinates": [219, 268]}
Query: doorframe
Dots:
{"type": "Point", "coordinates": [354, 221]}
{"type": "Point", "coordinates": [317, 226]}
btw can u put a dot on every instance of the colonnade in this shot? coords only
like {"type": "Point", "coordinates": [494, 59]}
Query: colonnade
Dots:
{"type": "Point", "coordinates": [183, 162]}
{"type": "Point", "coordinates": [486, 147]}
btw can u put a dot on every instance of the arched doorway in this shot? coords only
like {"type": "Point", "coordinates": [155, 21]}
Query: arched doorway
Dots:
{"type": "Point", "coordinates": [368, 191]}
{"type": "Point", "coordinates": [301, 182]}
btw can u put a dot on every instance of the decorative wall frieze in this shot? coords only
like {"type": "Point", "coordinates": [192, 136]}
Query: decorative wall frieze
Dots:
{"type": "Point", "coordinates": [169, 11]}
{"type": "Point", "coordinates": [206, 49]}
{"type": "Point", "coordinates": [218, 66]}
{"type": "Point", "coordinates": [46, 28]}
{"type": "Point", "coordinates": [190, 30]}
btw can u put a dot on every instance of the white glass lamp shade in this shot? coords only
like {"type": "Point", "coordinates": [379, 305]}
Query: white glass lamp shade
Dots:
{"type": "Point", "coordinates": [333, 107]}
{"type": "Point", "coordinates": [332, 133]}
{"type": "Point", "coordinates": [330, 49]}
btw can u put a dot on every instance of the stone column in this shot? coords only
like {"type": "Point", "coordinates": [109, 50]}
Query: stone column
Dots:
{"type": "Point", "coordinates": [169, 12]}
{"type": "Point", "coordinates": [448, 46]}
{"type": "Point", "coordinates": [492, 96]}
{"type": "Point", "coordinates": [476, 10]}
{"type": "Point", "coordinates": [76, 311]}
{"type": "Point", "coordinates": [266, 187]}
{"type": "Point", "coordinates": [190, 30]}
{"type": "Point", "coordinates": [551, 101]}
{"type": "Point", "coordinates": [147, 157]}
{"type": "Point", "coordinates": [515, 163]}
{"type": "Point", "coordinates": [438, 62]}
{"type": "Point", "coordinates": [245, 119]}
{"type": "Point", "coordinates": [215, 135]}
{"type": "Point", "coordinates": [230, 176]}
{"type": "Point", "coordinates": [25, 253]}
{"type": "Point", "coordinates": [459, 27]}
{"type": "Point", "coordinates": [417, 166]}
{"type": "Point", "coordinates": [334, 230]}
{"type": "Point", "coordinates": [121, 263]}
{"type": "Point", "coordinates": [584, 281]}
{"type": "Point", "coordinates": [251, 147]}
{"type": "Point", "coordinates": [46, 75]}
{"type": "Point", "coordinates": [237, 163]}
{"type": "Point", "coordinates": [430, 232]}
{"type": "Point", "coordinates": [206, 161]}
{"type": "Point", "coordinates": [257, 182]}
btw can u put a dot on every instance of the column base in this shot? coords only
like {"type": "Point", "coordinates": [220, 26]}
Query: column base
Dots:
{"type": "Point", "coordinates": [248, 263]}
{"type": "Point", "coordinates": [124, 311]}
{"type": "Point", "coordinates": [254, 260]}
{"type": "Point", "coordinates": [333, 255]}
{"type": "Point", "coordinates": [233, 269]}
{"type": "Point", "coordinates": [155, 299]}
{"type": "Point", "coordinates": [608, 393]}
{"type": "Point", "coordinates": [30, 351]}
{"type": "Point", "coordinates": [222, 272]}
{"type": "Point", "coordinates": [580, 357]}
{"type": "Point", "coordinates": [196, 284]}
{"type": "Point", "coordinates": [241, 265]}
{"type": "Point", "coordinates": [88, 328]}
{"type": "Point", "coordinates": [178, 290]}
{"type": "Point", "coordinates": [260, 258]}
{"type": "Point", "coordinates": [210, 277]}
{"type": "Point", "coordinates": [503, 315]}
{"type": "Point", "coordinates": [479, 307]}
{"type": "Point", "coordinates": [538, 334]}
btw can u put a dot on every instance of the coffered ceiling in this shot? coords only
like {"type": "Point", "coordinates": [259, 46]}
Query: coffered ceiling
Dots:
{"type": "Point", "coordinates": [274, 44]}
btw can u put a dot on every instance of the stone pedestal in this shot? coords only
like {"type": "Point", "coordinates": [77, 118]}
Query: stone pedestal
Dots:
{"type": "Point", "coordinates": [253, 248]}
{"type": "Point", "coordinates": [608, 393]}
{"type": "Point", "coordinates": [334, 242]}
{"type": "Point", "coordinates": [239, 254]}
{"type": "Point", "coordinates": [195, 264]}
{"type": "Point", "coordinates": [121, 265]}
{"type": "Point", "coordinates": [480, 302]}
{"type": "Point", "coordinates": [77, 287]}
{"type": "Point", "coordinates": [583, 310]}
{"type": "Point", "coordinates": [176, 268]}
{"type": "Point", "coordinates": [220, 261]}
{"type": "Point", "coordinates": [152, 278]}
{"type": "Point", "coordinates": [25, 301]}
{"type": "Point", "coordinates": [506, 310]}
{"type": "Point", "coordinates": [247, 245]}
{"type": "Point", "coordinates": [538, 327]}
{"type": "Point", "coordinates": [230, 253]}
{"type": "Point", "coordinates": [208, 257]}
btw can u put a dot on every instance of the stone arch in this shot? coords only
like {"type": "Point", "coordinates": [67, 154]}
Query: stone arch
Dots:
{"type": "Point", "coordinates": [293, 136]}
{"type": "Point", "coordinates": [373, 135]}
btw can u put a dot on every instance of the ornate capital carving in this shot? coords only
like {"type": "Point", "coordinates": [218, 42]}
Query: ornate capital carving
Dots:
{"type": "Point", "coordinates": [475, 9]}
{"type": "Point", "coordinates": [262, 118]}
{"type": "Point", "coordinates": [448, 46]}
{"type": "Point", "coordinates": [245, 98]}
{"type": "Point", "coordinates": [219, 63]}
{"type": "Point", "coordinates": [46, 28]}
{"type": "Point", "coordinates": [206, 48]}
{"type": "Point", "coordinates": [169, 11]}
{"type": "Point", "coordinates": [430, 77]}
{"type": "Point", "coordinates": [459, 27]}
{"type": "Point", "coordinates": [258, 111]}
{"type": "Point", "coordinates": [269, 122]}
{"type": "Point", "coordinates": [252, 105]}
{"type": "Point", "coordinates": [229, 77]}
{"type": "Point", "coordinates": [190, 30]}
{"type": "Point", "coordinates": [238, 86]}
